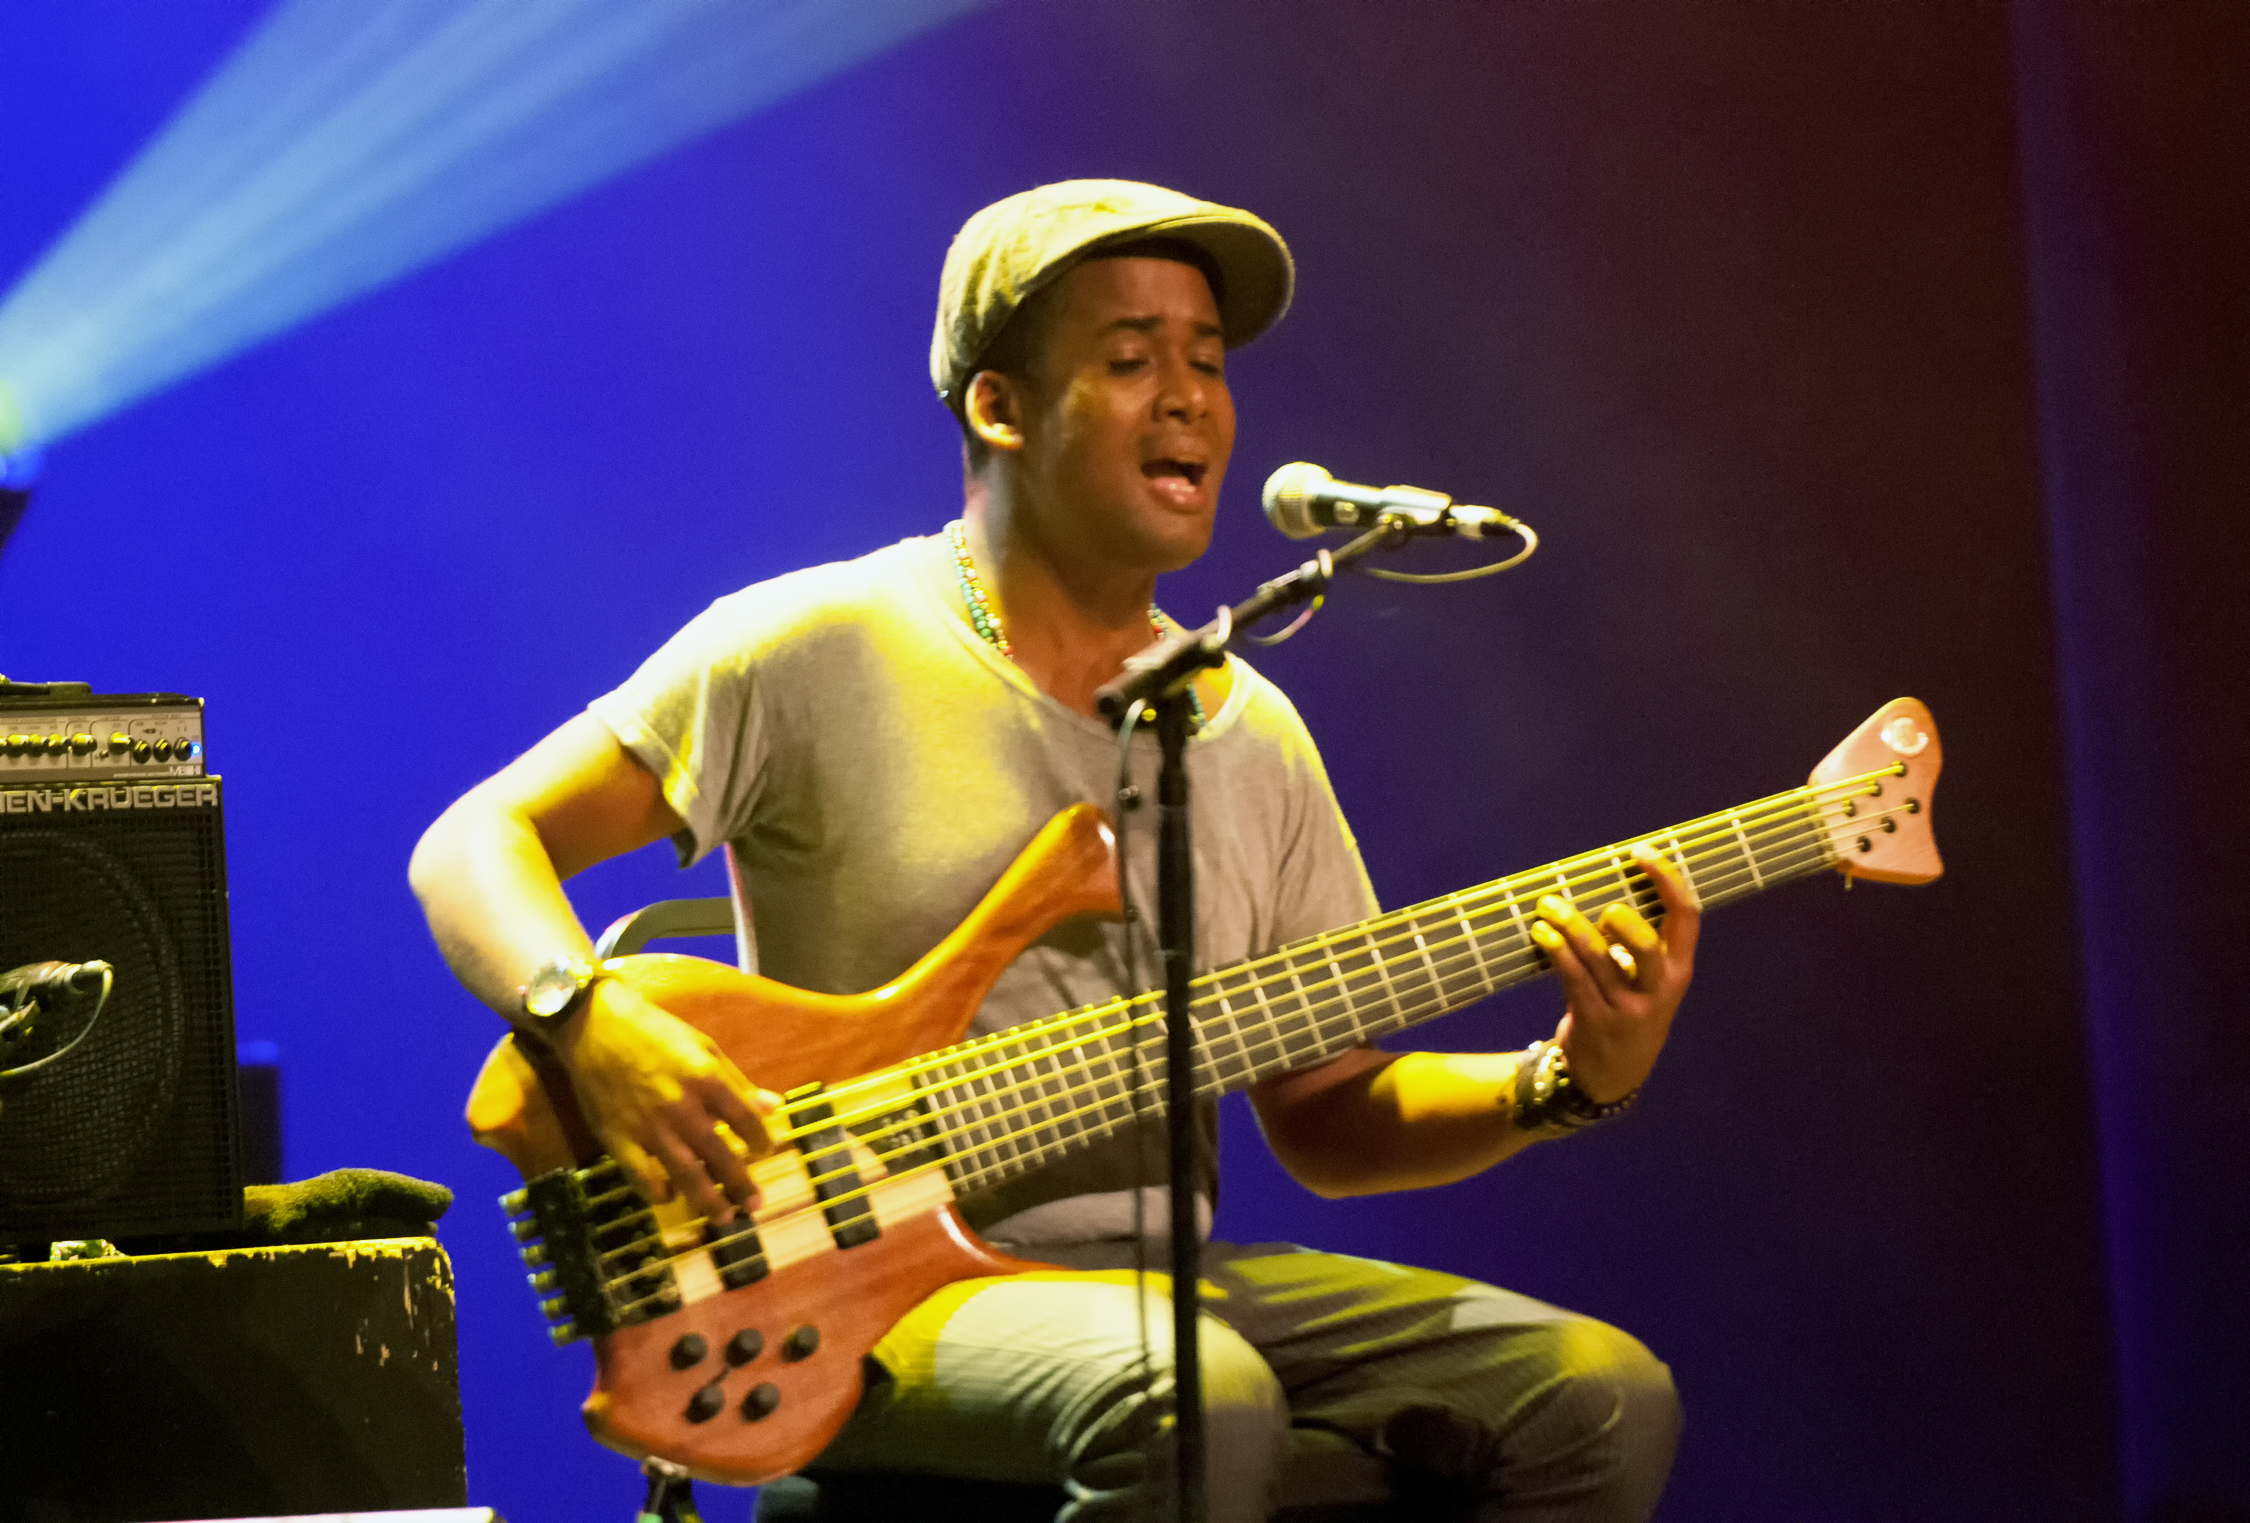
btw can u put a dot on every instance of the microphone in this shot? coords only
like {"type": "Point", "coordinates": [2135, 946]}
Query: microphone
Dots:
{"type": "Point", "coordinates": [57, 982]}
{"type": "Point", "coordinates": [1303, 500]}
{"type": "Point", "coordinates": [69, 993]}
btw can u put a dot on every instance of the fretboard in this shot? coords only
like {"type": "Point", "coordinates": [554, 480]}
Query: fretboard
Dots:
{"type": "Point", "coordinates": [1003, 1105]}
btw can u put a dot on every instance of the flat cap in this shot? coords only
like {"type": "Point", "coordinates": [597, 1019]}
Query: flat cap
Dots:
{"type": "Point", "coordinates": [1013, 247]}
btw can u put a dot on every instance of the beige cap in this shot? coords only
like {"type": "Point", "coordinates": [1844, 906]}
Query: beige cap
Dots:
{"type": "Point", "coordinates": [1013, 247]}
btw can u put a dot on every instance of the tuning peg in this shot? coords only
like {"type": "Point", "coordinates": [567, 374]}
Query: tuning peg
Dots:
{"type": "Point", "coordinates": [515, 1202]}
{"type": "Point", "coordinates": [563, 1334]}
{"type": "Point", "coordinates": [533, 1253]}
{"type": "Point", "coordinates": [545, 1280]}
{"type": "Point", "coordinates": [556, 1308]}
{"type": "Point", "coordinates": [525, 1231]}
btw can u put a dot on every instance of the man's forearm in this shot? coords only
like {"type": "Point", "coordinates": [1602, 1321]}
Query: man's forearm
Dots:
{"type": "Point", "coordinates": [1395, 1123]}
{"type": "Point", "coordinates": [493, 899]}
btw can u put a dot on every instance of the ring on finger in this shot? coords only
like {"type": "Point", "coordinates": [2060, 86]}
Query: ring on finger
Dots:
{"type": "Point", "coordinates": [1623, 957]}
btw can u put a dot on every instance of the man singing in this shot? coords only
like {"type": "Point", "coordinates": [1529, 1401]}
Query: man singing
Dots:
{"type": "Point", "coordinates": [874, 741]}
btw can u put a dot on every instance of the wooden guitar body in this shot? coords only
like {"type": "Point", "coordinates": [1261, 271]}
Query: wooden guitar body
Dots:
{"type": "Point", "coordinates": [736, 1348]}
{"type": "Point", "coordinates": [818, 1308]}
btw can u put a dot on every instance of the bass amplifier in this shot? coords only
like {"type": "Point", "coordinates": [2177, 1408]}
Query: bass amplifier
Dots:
{"type": "Point", "coordinates": [112, 848]}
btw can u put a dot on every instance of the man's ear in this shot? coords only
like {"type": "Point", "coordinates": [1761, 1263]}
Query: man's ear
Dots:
{"type": "Point", "coordinates": [994, 408]}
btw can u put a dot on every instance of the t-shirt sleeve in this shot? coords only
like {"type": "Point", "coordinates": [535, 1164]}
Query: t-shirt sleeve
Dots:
{"type": "Point", "coordinates": [1322, 883]}
{"type": "Point", "coordinates": [690, 715]}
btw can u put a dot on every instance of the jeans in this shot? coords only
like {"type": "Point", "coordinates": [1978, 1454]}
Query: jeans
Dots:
{"type": "Point", "coordinates": [1454, 1397]}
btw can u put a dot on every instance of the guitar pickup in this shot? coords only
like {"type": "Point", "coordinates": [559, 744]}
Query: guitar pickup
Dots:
{"type": "Point", "coordinates": [736, 1252]}
{"type": "Point", "coordinates": [831, 1171]}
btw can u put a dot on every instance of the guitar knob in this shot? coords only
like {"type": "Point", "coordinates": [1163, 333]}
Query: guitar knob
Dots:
{"type": "Point", "coordinates": [801, 1342]}
{"type": "Point", "coordinates": [760, 1403]}
{"type": "Point", "coordinates": [689, 1351]}
{"type": "Point", "coordinates": [745, 1346]}
{"type": "Point", "coordinates": [705, 1403]}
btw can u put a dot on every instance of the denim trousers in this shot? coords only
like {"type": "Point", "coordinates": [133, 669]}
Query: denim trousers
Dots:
{"type": "Point", "coordinates": [1327, 1380]}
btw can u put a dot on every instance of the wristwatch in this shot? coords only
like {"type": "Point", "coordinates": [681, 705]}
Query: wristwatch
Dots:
{"type": "Point", "coordinates": [555, 992]}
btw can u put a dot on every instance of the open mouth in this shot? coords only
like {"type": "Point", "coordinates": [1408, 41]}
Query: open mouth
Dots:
{"type": "Point", "coordinates": [1189, 471]}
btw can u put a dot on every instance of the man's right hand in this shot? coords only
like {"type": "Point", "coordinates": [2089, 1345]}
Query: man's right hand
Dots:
{"type": "Point", "coordinates": [655, 1090]}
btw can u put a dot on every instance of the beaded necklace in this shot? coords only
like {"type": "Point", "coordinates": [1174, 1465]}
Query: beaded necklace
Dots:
{"type": "Point", "coordinates": [985, 619]}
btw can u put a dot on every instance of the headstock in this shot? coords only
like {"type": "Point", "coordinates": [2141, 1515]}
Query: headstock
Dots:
{"type": "Point", "coordinates": [1883, 831]}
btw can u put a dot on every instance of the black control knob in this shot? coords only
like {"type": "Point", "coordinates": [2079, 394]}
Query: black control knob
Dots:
{"type": "Point", "coordinates": [120, 744]}
{"type": "Point", "coordinates": [745, 1346]}
{"type": "Point", "coordinates": [163, 750]}
{"type": "Point", "coordinates": [761, 1402]}
{"type": "Point", "coordinates": [83, 744]}
{"type": "Point", "coordinates": [689, 1351]}
{"type": "Point", "coordinates": [142, 750]}
{"type": "Point", "coordinates": [801, 1342]}
{"type": "Point", "coordinates": [57, 744]}
{"type": "Point", "coordinates": [705, 1403]}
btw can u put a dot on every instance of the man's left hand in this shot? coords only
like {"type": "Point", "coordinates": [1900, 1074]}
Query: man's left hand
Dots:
{"type": "Point", "coordinates": [1621, 1006]}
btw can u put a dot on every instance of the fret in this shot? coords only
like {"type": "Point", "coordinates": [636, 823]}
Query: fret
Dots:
{"type": "Point", "coordinates": [1265, 1017]}
{"type": "Point", "coordinates": [1053, 1096]}
{"type": "Point", "coordinates": [949, 1100]}
{"type": "Point", "coordinates": [979, 1132]}
{"type": "Point", "coordinates": [1235, 1067]}
{"type": "Point", "coordinates": [1476, 949]}
{"type": "Point", "coordinates": [1524, 943]}
{"type": "Point", "coordinates": [1687, 873]}
{"type": "Point", "coordinates": [1749, 853]}
{"type": "Point", "coordinates": [1455, 970]}
{"type": "Point", "coordinates": [1618, 864]}
{"type": "Point", "coordinates": [1429, 964]}
{"type": "Point", "coordinates": [1285, 1023]}
{"type": "Point", "coordinates": [1383, 972]}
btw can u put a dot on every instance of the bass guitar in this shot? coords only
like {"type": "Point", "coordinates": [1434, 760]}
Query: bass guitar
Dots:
{"type": "Point", "coordinates": [734, 1348]}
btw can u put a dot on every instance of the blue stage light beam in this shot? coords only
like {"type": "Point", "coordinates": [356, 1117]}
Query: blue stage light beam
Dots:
{"type": "Point", "coordinates": [347, 143]}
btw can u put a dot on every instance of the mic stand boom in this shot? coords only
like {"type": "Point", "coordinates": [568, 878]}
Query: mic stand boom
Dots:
{"type": "Point", "coordinates": [1160, 678]}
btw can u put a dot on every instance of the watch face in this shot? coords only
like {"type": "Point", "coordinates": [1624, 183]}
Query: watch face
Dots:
{"type": "Point", "coordinates": [552, 989]}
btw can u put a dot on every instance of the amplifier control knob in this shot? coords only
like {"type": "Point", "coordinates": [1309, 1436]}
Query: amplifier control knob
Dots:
{"type": "Point", "coordinates": [187, 750]}
{"type": "Point", "coordinates": [120, 744]}
{"type": "Point", "coordinates": [140, 750]}
{"type": "Point", "coordinates": [163, 750]}
{"type": "Point", "coordinates": [15, 744]}
{"type": "Point", "coordinates": [83, 744]}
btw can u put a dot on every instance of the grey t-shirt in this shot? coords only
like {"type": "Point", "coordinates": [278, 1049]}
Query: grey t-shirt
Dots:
{"type": "Point", "coordinates": [874, 766]}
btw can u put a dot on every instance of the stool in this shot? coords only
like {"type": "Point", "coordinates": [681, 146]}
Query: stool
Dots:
{"type": "Point", "coordinates": [1326, 1479]}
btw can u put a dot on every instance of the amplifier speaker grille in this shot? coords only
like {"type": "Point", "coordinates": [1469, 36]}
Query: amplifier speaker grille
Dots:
{"type": "Point", "coordinates": [133, 1132]}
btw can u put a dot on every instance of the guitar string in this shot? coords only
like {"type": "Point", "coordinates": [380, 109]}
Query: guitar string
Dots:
{"type": "Point", "coordinates": [1444, 961]}
{"type": "Point", "coordinates": [1053, 1067]}
{"type": "Point", "coordinates": [1057, 1041]}
{"type": "Point", "coordinates": [1064, 1062]}
{"type": "Point", "coordinates": [1432, 996]}
{"type": "Point", "coordinates": [1238, 983]}
{"type": "Point", "coordinates": [1435, 1001]}
{"type": "Point", "coordinates": [1790, 811]}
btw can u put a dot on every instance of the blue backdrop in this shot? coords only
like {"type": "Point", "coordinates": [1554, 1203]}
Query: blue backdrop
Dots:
{"type": "Point", "coordinates": [1730, 302]}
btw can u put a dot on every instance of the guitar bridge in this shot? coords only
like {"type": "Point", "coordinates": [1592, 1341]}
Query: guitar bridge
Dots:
{"type": "Point", "coordinates": [596, 1256]}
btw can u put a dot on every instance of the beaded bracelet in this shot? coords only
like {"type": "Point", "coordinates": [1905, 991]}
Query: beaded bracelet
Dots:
{"type": "Point", "coordinates": [1546, 1095]}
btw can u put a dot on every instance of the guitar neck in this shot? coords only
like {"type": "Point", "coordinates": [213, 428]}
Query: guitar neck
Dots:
{"type": "Point", "coordinates": [1006, 1104]}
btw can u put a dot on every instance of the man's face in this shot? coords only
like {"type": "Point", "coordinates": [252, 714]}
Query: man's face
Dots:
{"type": "Point", "coordinates": [1127, 421]}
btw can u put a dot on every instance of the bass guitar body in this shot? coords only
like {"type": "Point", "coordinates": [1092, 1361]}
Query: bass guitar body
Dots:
{"type": "Point", "coordinates": [748, 1361]}
{"type": "Point", "coordinates": [736, 1348]}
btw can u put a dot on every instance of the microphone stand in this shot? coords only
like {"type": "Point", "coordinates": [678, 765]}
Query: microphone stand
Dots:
{"type": "Point", "coordinates": [1160, 677]}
